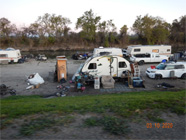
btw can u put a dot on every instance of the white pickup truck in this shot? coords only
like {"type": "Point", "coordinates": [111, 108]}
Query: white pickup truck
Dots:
{"type": "Point", "coordinates": [148, 58]}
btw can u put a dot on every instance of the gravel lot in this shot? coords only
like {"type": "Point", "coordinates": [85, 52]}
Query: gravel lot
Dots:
{"type": "Point", "coordinates": [14, 75]}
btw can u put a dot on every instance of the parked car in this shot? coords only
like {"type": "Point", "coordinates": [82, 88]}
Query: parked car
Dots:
{"type": "Point", "coordinates": [148, 58]}
{"type": "Point", "coordinates": [41, 57]}
{"type": "Point", "coordinates": [167, 70]}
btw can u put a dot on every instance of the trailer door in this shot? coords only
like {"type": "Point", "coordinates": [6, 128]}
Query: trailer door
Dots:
{"type": "Point", "coordinates": [114, 67]}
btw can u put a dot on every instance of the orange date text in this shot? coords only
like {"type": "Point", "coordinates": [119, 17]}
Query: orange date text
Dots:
{"type": "Point", "coordinates": [159, 125]}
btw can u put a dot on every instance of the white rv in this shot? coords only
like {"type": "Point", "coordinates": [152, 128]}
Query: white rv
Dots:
{"type": "Point", "coordinates": [107, 51]}
{"type": "Point", "coordinates": [141, 49]}
{"type": "Point", "coordinates": [10, 54]}
{"type": "Point", "coordinates": [106, 65]}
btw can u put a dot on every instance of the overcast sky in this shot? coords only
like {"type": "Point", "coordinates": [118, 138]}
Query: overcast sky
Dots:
{"type": "Point", "coordinates": [123, 12]}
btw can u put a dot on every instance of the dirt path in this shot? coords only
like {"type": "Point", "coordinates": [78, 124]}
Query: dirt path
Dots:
{"type": "Point", "coordinates": [77, 129]}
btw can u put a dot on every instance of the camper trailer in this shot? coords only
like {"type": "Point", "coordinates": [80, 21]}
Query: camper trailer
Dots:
{"type": "Point", "coordinates": [106, 65]}
{"type": "Point", "coordinates": [10, 54]}
{"type": "Point", "coordinates": [107, 51]}
{"type": "Point", "coordinates": [142, 49]}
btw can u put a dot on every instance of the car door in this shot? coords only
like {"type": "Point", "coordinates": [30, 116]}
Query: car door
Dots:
{"type": "Point", "coordinates": [167, 70]}
{"type": "Point", "coordinates": [157, 58]}
{"type": "Point", "coordinates": [179, 70]}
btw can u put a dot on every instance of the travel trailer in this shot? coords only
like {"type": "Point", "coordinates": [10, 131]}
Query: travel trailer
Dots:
{"type": "Point", "coordinates": [105, 65]}
{"type": "Point", "coordinates": [107, 51]}
{"type": "Point", "coordinates": [141, 49]}
{"type": "Point", "coordinates": [10, 54]}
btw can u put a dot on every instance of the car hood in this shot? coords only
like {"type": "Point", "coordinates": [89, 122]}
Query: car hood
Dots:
{"type": "Point", "coordinates": [150, 69]}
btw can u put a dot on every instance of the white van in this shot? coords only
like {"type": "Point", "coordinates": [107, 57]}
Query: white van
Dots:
{"type": "Point", "coordinates": [10, 54]}
{"type": "Point", "coordinates": [142, 49]}
{"type": "Point", "coordinates": [107, 51]}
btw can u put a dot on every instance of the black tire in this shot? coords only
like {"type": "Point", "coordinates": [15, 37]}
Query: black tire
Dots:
{"type": "Point", "coordinates": [141, 62]}
{"type": "Point", "coordinates": [183, 76]}
{"type": "Point", "coordinates": [158, 76]}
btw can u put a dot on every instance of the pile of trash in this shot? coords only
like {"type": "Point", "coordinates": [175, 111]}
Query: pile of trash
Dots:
{"type": "Point", "coordinates": [6, 90]}
{"type": "Point", "coordinates": [81, 56]}
{"type": "Point", "coordinates": [62, 90]}
{"type": "Point", "coordinates": [34, 81]}
{"type": "Point", "coordinates": [41, 57]}
{"type": "Point", "coordinates": [164, 85]}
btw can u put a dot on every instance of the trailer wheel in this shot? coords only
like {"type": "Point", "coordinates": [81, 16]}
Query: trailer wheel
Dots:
{"type": "Point", "coordinates": [141, 62]}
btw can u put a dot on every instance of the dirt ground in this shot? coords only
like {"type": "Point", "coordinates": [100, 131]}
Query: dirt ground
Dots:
{"type": "Point", "coordinates": [15, 76]}
{"type": "Point", "coordinates": [77, 131]}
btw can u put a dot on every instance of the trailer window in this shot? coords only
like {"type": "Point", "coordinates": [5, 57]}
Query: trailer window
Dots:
{"type": "Point", "coordinates": [3, 55]}
{"type": "Point", "coordinates": [168, 50]}
{"type": "Point", "coordinates": [92, 66]}
{"type": "Point", "coordinates": [155, 51]}
{"type": "Point", "coordinates": [122, 65]}
{"type": "Point", "coordinates": [137, 50]}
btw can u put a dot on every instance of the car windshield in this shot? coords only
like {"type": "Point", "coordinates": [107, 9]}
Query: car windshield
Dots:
{"type": "Point", "coordinates": [161, 66]}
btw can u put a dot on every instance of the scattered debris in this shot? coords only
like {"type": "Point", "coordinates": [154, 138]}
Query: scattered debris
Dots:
{"type": "Point", "coordinates": [164, 85]}
{"type": "Point", "coordinates": [35, 79]}
{"type": "Point", "coordinates": [5, 90]}
{"type": "Point", "coordinates": [80, 81]}
{"type": "Point", "coordinates": [62, 90]}
{"type": "Point", "coordinates": [78, 56]}
{"type": "Point", "coordinates": [137, 82]}
{"type": "Point", "coordinates": [41, 57]}
{"type": "Point", "coordinates": [33, 86]}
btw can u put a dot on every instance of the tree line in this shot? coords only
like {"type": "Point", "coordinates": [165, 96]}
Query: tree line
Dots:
{"type": "Point", "coordinates": [53, 30]}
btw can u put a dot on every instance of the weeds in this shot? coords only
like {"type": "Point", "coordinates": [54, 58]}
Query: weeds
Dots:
{"type": "Point", "coordinates": [111, 124]}
{"type": "Point", "coordinates": [92, 121]}
{"type": "Point", "coordinates": [41, 123]}
{"type": "Point", "coordinates": [5, 122]}
{"type": "Point", "coordinates": [36, 125]}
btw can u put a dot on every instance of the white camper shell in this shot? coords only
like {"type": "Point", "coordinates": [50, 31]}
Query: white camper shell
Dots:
{"type": "Point", "coordinates": [106, 65]}
{"type": "Point", "coordinates": [141, 49]}
{"type": "Point", "coordinates": [107, 51]}
{"type": "Point", "coordinates": [10, 54]}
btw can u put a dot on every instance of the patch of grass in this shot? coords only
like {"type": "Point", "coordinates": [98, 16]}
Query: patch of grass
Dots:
{"type": "Point", "coordinates": [5, 122]}
{"type": "Point", "coordinates": [92, 121]}
{"type": "Point", "coordinates": [36, 125]}
{"type": "Point", "coordinates": [41, 123]}
{"type": "Point", "coordinates": [111, 124]}
{"type": "Point", "coordinates": [155, 118]}
{"type": "Point", "coordinates": [115, 125]}
{"type": "Point", "coordinates": [124, 104]}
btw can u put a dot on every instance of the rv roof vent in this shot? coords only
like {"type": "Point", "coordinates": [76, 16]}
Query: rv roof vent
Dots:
{"type": "Point", "coordinates": [101, 47]}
